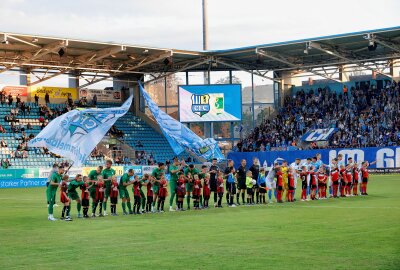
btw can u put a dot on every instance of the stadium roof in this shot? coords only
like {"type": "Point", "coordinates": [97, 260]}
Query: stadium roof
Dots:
{"type": "Point", "coordinates": [64, 55]}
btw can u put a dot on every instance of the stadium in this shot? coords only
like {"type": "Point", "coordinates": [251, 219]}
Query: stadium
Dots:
{"type": "Point", "coordinates": [280, 155]}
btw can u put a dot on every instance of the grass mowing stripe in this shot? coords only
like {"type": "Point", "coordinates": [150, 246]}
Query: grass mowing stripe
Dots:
{"type": "Point", "coordinates": [349, 233]}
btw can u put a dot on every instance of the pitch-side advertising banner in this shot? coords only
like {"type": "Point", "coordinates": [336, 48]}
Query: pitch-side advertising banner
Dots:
{"type": "Point", "coordinates": [54, 92]}
{"type": "Point", "coordinates": [14, 90]}
{"type": "Point", "coordinates": [385, 157]}
{"type": "Point", "coordinates": [101, 94]}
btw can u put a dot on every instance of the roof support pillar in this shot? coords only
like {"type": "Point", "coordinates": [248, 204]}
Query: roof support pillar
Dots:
{"type": "Point", "coordinates": [344, 76]}
{"type": "Point", "coordinates": [395, 68]}
{"type": "Point", "coordinates": [126, 81]}
{"type": "Point", "coordinates": [283, 88]}
{"type": "Point", "coordinates": [24, 76]}
{"type": "Point", "coordinates": [73, 79]}
{"type": "Point", "coordinates": [277, 87]}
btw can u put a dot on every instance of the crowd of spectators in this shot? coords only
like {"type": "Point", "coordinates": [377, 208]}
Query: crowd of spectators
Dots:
{"type": "Point", "coordinates": [96, 153]}
{"type": "Point", "coordinates": [122, 160]}
{"type": "Point", "coordinates": [364, 117]}
{"type": "Point", "coordinates": [143, 158]}
{"type": "Point", "coordinates": [82, 102]}
{"type": "Point", "coordinates": [18, 108]}
{"type": "Point", "coordinates": [114, 131]}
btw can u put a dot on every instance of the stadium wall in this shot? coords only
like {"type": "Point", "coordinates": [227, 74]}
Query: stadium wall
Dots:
{"type": "Point", "coordinates": [24, 178]}
{"type": "Point", "coordinates": [388, 160]}
{"type": "Point", "coordinates": [385, 157]}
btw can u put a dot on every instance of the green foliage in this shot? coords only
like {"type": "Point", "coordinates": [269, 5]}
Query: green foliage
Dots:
{"type": "Point", "coordinates": [225, 80]}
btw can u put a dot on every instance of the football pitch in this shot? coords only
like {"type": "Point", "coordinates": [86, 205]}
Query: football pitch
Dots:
{"type": "Point", "coordinates": [348, 233]}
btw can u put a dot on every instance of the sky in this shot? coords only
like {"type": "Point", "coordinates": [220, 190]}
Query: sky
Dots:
{"type": "Point", "coordinates": [178, 23]}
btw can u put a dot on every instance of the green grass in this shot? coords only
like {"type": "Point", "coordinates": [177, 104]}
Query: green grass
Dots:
{"type": "Point", "coordinates": [351, 233]}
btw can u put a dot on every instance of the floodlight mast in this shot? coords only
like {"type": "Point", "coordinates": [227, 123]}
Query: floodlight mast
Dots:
{"type": "Point", "coordinates": [205, 37]}
{"type": "Point", "coordinates": [205, 26]}
{"type": "Point", "coordinates": [206, 74]}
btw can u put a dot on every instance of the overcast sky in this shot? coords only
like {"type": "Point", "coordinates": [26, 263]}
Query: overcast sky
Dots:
{"type": "Point", "coordinates": [178, 23]}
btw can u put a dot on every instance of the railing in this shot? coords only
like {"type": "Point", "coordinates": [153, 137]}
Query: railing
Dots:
{"type": "Point", "coordinates": [113, 154]}
{"type": "Point", "coordinates": [113, 147]}
{"type": "Point", "coordinates": [127, 149]}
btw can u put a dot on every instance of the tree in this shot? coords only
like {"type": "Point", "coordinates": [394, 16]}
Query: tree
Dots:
{"type": "Point", "coordinates": [226, 80]}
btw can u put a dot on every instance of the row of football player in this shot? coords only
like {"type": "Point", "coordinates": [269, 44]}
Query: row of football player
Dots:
{"type": "Point", "coordinates": [346, 179]}
{"type": "Point", "coordinates": [313, 182]}
{"type": "Point", "coordinates": [143, 203]}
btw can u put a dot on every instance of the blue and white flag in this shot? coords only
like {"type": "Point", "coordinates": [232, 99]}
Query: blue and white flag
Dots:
{"type": "Point", "coordinates": [180, 137]}
{"type": "Point", "coordinates": [76, 133]}
{"type": "Point", "coordinates": [322, 134]}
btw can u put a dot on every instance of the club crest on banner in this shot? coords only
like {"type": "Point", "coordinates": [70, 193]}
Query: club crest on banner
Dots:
{"type": "Point", "coordinates": [81, 124]}
{"type": "Point", "coordinates": [200, 104]}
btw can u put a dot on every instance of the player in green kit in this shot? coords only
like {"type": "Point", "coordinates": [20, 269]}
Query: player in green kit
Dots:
{"type": "Point", "coordinates": [73, 194]}
{"type": "Point", "coordinates": [55, 180]}
{"type": "Point", "coordinates": [156, 174]}
{"type": "Point", "coordinates": [191, 170]}
{"type": "Point", "coordinates": [174, 169]}
{"type": "Point", "coordinates": [53, 169]}
{"type": "Point", "coordinates": [143, 182]}
{"type": "Point", "coordinates": [107, 173]}
{"type": "Point", "coordinates": [124, 182]}
{"type": "Point", "coordinates": [93, 180]}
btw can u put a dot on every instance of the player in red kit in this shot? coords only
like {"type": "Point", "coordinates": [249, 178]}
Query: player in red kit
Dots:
{"type": "Point", "coordinates": [196, 191]}
{"type": "Point", "coordinates": [335, 180]}
{"type": "Point", "coordinates": [303, 176]}
{"type": "Point", "coordinates": [147, 181]}
{"type": "Point", "coordinates": [364, 177]}
{"type": "Point", "coordinates": [181, 190]}
{"type": "Point", "coordinates": [136, 195]}
{"type": "Point", "coordinates": [279, 184]}
{"type": "Point", "coordinates": [206, 190]}
{"type": "Point", "coordinates": [87, 184]}
{"type": "Point", "coordinates": [291, 185]}
{"type": "Point", "coordinates": [322, 179]}
{"type": "Point", "coordinates": [356, 176]}
{"type": "Point", "coordinates": [64, 199]}
{"type": "Point", "coordinates": [149, 192]}
{"type": "Point", "coordinates": [313, 183]}
{"type": "Point", "coordinates": [220, 188]}
{"type": "Point", "coordinates": [100, 188]}
{"type": "Point", "coordinates": [343, 180]}
{"type": "Point", "coordinates": [162, 193]}
{"type": "Point", "coordinates": [349, 179]}
{"type": "Point", "coordinates": [114, 195]}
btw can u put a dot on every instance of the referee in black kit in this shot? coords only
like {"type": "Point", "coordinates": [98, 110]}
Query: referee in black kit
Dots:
{"type": "Point", "coordinates": [241, 178]}
{"type": "Point", "coordinates": [214, 170]}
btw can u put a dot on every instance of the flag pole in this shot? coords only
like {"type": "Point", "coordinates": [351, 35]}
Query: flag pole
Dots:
{"type": "Point", "coordinates": [69, 168]}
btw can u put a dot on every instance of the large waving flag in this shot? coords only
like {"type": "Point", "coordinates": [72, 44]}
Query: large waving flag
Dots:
{"type": "Point", "coordinates": [180, 137]}
{"type": "Point", "coordinates": [76, 133]}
